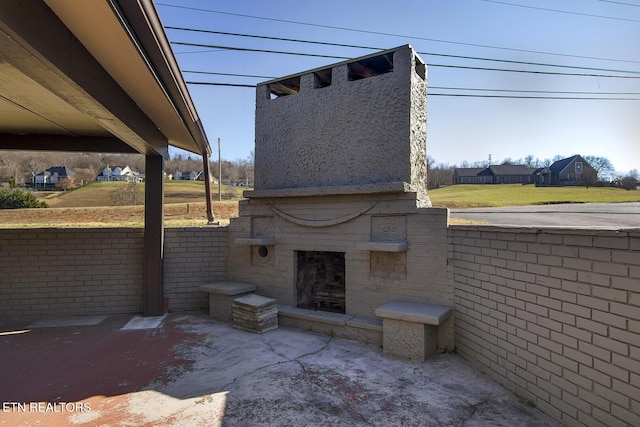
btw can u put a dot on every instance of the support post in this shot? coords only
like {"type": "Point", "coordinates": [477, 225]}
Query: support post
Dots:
{"type": "Point", "coordinates": [207, 188]}
{"type": "Point", "coordinates": [153, 236]}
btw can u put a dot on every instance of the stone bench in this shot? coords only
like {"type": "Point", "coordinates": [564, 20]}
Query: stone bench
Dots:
{"type": "Point", "coordinates": [410, 329]}
{"type": "Point", "coordinates": [221, 296]}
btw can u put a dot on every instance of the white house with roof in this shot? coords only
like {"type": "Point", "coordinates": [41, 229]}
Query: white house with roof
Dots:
{"type": "Point", "coordinates": [190, 175]}
{"type": "Point", "coordinates": [212, 179]}
{"type": "Point", "coordinates": [186, 176]}
{"type": "Point", "coordinates": [118, 173]}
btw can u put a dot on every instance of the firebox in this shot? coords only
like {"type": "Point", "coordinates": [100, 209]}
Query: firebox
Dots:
{"type": "Point", "coordinates": [320, 281]}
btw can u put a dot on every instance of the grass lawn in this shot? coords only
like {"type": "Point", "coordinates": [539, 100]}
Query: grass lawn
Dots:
{"type": "Point", "coordinates": [93, 205]}
{"type": "Point", "coordinates": [101, 194]}
{"type": "Point", "coordinates": [175, 215]}
{"type": "Point", "coordinates": [471, 196]}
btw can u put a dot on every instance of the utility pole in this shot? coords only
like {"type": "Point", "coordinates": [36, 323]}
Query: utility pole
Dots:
{"type": "Point", "coordinates": [219, 173]}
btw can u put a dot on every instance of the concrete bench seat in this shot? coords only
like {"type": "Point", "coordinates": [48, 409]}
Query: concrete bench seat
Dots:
{"type": "Point", "coordinates": [221, 296]}
{"type": "Point", "coordinates": [410, 329]}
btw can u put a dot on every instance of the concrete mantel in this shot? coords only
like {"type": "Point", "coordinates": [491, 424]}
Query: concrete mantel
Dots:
{"type": "Point", "coordinates": [374, 246]}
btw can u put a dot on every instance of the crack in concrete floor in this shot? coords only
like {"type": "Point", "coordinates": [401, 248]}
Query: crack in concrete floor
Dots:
{"type": "Point", "coordinates": [215, 375]}
{"type": "Point", "coordinates": [292, 377]}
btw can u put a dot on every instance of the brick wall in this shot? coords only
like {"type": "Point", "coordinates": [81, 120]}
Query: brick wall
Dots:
{"type": "Point", "coordinates": [50, 271]}
{"type": "Point", "coordinates": [553, 315]}
{"type": "Point", "coordinates": [192, 257]}
{"type": "Point", "coordinates": [47, 271]}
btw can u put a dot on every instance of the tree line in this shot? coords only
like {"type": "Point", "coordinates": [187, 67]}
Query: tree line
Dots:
{"type": "Point", "coordinates": [17, 168]}
{"type": "Point", "coordinates": [441, 174]}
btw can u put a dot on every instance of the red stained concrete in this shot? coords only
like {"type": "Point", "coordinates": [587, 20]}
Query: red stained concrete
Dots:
{"type": "Point", "coordinates": [96, 364]}
{"type": "Point", "coordinates": [196, 371]}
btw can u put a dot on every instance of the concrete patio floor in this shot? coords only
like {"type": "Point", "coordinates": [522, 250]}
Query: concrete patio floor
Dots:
{"type": "Point", "coordinates": [191, 370]}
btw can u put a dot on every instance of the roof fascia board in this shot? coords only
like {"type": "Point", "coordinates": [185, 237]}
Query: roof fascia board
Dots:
{"type": "Point", "coordinates": [42, 47]}
{"type": "Point", "coordinates": [143, 25]}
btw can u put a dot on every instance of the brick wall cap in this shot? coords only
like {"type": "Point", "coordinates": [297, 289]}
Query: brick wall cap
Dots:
{"type": "Point", "coordinates": [427, 314]}
{"type": "Point", "coordinates": [228, 288]}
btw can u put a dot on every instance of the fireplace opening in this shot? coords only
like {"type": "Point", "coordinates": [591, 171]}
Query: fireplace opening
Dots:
{"type": "Point", "coordinates": [320, 283]}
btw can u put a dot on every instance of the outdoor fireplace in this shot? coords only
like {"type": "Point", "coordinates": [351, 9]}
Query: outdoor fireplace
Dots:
{"type": "Point", "coordinates": [339, 221]}
{"type": "Point", "coordinates": [320, 283]}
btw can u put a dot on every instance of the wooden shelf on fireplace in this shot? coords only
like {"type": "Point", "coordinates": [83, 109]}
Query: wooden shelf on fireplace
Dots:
{"type": "Point", "coordinates": [374, 246]}
{"type": "Point", "coordinates": [255, 241]}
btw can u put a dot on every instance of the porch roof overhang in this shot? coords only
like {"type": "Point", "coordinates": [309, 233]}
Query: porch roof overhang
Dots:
{"type": "Point", "coordinates": [98, 76]}
{"type": "Point", "coordinates": [92, 76]}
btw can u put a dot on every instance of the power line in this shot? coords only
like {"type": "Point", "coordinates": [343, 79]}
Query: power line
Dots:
{"type": "Point", "coordinates": [392, 34]}
{"type": "Point", "coordinates": [228, 74]}
{"type": "Point", "coordinates": [220, 84]}
{"type": "Point", "coordinates": [435, 65]}
{"type": "Point", "coordinates": [224, 33]}
{"type": "Point", "coordinates": [533, 91]}
{"type": "Point", "coordinates": [201, 51]}
{"type": "Point", "coordinates": [421, 53]}
{"type": "Point", "coordinates": [573, 67]}
{"type": "Point", "coordinates": [620, 2]}
{"type": "Point", "coordinates": [533, 72]}
{"type": "Point", "coordinates": [534, 97]}
{"type": "Point", "coordinates": [561, 11]}
{"type": "Point", "coordinates": [244, 49]}
{"type": "Point", "coordinates": [430, 87]}
{"type": "Point", "coordinates": [465, 95]}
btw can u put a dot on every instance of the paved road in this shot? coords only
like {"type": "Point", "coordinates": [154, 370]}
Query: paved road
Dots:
{"type": "Point", "coordinates": [594, 215]}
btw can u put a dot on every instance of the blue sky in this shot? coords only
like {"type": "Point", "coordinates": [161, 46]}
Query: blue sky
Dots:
{"type": "Point", "coordinates": [578, 33]}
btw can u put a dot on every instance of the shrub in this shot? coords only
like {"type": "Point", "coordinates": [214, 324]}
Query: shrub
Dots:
{"type": "Point", "coordinates": [127, 194]}
{"type": "Point", "coordinates": [19, 199]}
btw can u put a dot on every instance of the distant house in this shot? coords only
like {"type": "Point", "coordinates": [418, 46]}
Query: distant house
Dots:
{"type": "Point", "coordinates": [573, 170]}
{"type": "Point", "coordinates": [189, 175]}
{"type": "Point", "coordinates": [52, 176]}
{"type": "Point", "coordinates": [212, 179]}
{"type": "Point", "coordinates": [118, 173]}
{"type": "Point", "coordinates": [186, 176]}
{"type": "Point", "coordinates": [468, 176]}
{"type": "Point", "coordinates": [495, 174]}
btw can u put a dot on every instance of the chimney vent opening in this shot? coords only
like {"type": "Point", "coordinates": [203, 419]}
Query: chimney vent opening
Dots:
{"type": "Point", "coordinates": [371, 67]}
